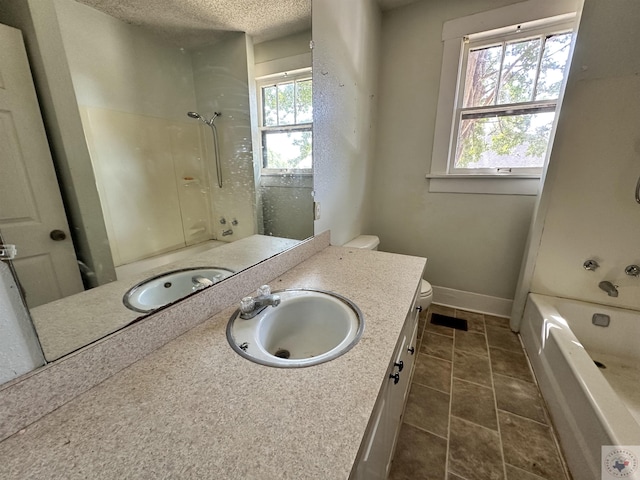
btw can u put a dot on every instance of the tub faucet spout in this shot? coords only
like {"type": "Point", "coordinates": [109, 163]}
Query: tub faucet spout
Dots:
{"type": "Point", "coordinates": [610, 288]}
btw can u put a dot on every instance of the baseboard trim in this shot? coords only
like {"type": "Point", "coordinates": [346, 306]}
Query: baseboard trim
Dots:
{"type": "Point", "coordinates": [474, 302]}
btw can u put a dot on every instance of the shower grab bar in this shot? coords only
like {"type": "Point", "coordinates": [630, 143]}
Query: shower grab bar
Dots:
{"type": "Point", "coordinates": [217, 152]}
{"type": "Point", "coordinates": [638, 191]}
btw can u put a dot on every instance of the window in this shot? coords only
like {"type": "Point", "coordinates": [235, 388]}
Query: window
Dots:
{"type": "Point", "coordinates": [508, 95]}
{"type": "Point", "coordinates": [286, 116]}
{"type": "Point", "coordinates": [500, 91]}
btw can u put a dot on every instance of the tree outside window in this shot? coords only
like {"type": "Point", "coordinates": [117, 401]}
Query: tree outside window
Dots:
{"type": "Point", "coordinates": [286, 122]}
{"type": "Point", "coordinates": [508, 101]}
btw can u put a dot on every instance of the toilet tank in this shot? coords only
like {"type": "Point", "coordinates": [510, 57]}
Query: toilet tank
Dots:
{"type": "Point", "coordinates": [368, 242]}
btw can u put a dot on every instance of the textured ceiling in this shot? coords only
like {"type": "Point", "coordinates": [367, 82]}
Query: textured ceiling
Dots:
{"type": "Point", "coordinates": [190, 23]}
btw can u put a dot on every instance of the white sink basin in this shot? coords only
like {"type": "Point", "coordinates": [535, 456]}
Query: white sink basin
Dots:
{"type": "Point", "coordinates": [169, 287]}
{"type": "Point", "coordinates": [307, 327]}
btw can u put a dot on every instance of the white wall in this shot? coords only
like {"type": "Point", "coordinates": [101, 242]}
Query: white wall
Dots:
{"type": "Point", "coordinates": [346, 38]}
{"type": "Point", "coordinates": [474, 242]}
{"type": "Point", "coordinates": [294, 45]}
{"type": "Point", "coordinates": [595, 164]}
{"type": "Point", "coordinates": [19, 348]}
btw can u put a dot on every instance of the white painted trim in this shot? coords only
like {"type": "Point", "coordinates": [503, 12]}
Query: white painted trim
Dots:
{"type": "Point", "coordinates": [453, 32]}
{"type": "Point", "coordinates": [510, 15]}
{"type": "Point", "coordinates": [490, 184]}
{"type": "Point", "coordinates": [474, 302]}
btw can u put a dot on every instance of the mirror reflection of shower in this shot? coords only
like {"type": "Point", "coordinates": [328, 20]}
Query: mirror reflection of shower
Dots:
{"type": "Point", "coordinates": [216, 148]}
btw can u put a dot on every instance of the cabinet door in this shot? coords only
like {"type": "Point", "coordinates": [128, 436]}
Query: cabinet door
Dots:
{"type": "Point", "coordinates": [377, 449]}
{"type": "Point", "coordinates": [398, 393]}
{"type": "Point", "coordinates": [373, 463]}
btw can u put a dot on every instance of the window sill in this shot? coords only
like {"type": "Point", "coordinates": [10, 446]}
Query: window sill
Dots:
{"type": "Point", "coordinates": [285, 173]}
{"type": "Point", "coordinates": [485, 184]}
{"type": "Point", "coordinates": [304, 180]}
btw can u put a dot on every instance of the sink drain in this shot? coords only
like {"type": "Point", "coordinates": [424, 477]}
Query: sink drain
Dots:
{"type": "Point", "coordinates": [282, 353]}
{"type": "Point", "coordinates": [599, 364]}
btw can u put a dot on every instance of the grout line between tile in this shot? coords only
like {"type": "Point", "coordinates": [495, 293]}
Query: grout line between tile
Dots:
{"type": "Point", "coordinates": [495, 405]}
{"type": "Point", "coordinates": [431, 387]}
{"type": "Point", "coordinates": [437, 358]}
{"type": "Point", "coordinates": [432, 332]}
{"type": "Point", "coordinates": [473, 383]}
{"type": "Point", "coordinates": [474, 424]}
{"type": "Point", "coordinates": [453, 356]}
{"type": "Point", "coordinates": [523, 417]}
{"type": "Point", "coordinates": [422, 429]}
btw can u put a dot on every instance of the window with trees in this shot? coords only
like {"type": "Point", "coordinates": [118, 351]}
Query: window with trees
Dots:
{"type": "Point", "coordinates": [508, 96]}
{"type": "Point", "coordinates": [501, 85]}
{"type": "Point", "coordinates": [286, 122]}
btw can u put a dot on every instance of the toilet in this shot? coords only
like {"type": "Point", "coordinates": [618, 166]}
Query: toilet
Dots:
{"type": "Point", "coordinates": [371, 242]}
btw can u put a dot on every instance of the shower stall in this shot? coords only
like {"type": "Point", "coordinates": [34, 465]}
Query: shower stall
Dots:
{"type": "Point", "coordinates": [164, 180]}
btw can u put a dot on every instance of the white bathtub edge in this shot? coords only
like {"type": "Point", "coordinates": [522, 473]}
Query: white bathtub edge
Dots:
{"type": "Point", "coordinates": [586, 411]}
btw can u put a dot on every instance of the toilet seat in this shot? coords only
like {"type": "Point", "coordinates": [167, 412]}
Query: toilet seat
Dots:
{"type": "Point", "coordinates": [425, 288]}
{"type": "Point", "coordinates": [426, 295]}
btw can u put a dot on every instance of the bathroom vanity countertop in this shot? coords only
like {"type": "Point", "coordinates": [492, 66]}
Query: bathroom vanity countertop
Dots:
{"type": "Point", "coordinates": [100, 311]}
{"type": "Point", "coordinates": [196, 409]}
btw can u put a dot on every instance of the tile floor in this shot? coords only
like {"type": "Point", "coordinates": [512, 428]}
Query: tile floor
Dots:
{"type": "Point", "coordinates": [474, 411]}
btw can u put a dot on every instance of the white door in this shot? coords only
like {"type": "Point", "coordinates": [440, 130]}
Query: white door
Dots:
{"type": "Point", "coordinates": [31, 212]}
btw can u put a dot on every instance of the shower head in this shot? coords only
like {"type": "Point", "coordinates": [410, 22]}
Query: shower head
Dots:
{"type": "Point", "coordinates": [197, 116]}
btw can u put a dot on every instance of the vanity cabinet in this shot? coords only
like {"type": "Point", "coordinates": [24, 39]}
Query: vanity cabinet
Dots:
{"type": "Point", "coordinates": [378, 445]}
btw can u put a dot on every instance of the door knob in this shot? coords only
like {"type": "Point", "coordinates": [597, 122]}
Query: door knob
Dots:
{"type": "Point", "coordinates": [57, 235]}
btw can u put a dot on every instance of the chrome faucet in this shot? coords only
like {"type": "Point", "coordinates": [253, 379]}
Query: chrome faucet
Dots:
{"type": "Point", "coordinates": [610, 288]}
{"type": "Point", "coordinates": [227, 232]}
{"type": "Point", "coordinates": [200, 282]}
{"type": "Point", "coordinates": [252, 306]}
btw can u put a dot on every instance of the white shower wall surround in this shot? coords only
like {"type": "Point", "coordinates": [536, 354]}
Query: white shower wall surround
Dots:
{"type": "Point", "coordinates": [134, 90]}
{"type": "Point", "coordinates": [153, 182]}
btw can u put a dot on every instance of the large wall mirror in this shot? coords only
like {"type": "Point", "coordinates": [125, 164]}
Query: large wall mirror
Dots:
{"type": "Point", "coordinates": [180, 137]}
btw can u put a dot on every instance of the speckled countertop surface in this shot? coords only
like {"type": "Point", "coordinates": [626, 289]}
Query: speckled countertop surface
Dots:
{"type": "Point", "coordinates": [72, 322]}
{"type": "Point", "coordinates": [196, 409]}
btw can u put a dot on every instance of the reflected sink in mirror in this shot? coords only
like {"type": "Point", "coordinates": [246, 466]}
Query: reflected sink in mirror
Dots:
{"type": "Point", "coordinates": [169, 287]}
{"type": "Point", "coordinates": [308, 327]}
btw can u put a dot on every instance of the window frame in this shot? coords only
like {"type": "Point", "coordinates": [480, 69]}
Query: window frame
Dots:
{"type": "Point", "coordinates": [272, 80]}
{"type": "Point", "coordinates": [522, 20]}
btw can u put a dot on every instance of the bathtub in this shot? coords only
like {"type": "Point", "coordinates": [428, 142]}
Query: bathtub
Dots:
{"type": "Point", "coordinates": [589, 406]}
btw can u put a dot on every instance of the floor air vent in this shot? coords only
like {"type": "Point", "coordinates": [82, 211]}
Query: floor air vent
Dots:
{"type": "Point", "coordinates": [447, 321]}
